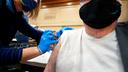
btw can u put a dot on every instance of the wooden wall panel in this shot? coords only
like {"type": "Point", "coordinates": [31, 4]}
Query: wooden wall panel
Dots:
{"type": "Point", "coordinates": [57, 3]}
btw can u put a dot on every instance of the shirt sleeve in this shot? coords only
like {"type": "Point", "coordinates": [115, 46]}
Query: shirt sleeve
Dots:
{"type": "Point", "coordinates": [10, 56]}
{"type": "Point", "coordinates": [28, 30]}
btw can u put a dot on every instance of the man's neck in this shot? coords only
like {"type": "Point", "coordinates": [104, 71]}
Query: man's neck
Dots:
{"type": "Point", "coordinates": [99, 33]}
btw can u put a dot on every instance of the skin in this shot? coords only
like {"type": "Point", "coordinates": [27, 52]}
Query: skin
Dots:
{"type": "Point", "coordinates": [50, 67]}
{"type": "Point", "coordinates": [28, 53]}
{"type": "Point", "coordinates": [97, 33]}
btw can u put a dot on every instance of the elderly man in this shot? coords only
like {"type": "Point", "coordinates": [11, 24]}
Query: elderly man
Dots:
{"type": "Point", "coordinates": [101, 46]}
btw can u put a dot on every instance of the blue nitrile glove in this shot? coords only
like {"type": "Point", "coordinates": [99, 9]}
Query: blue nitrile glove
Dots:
{"type": "Point", "coordinates": [58, 33]}
{"type": "Point", "coordinates": [46, 40]}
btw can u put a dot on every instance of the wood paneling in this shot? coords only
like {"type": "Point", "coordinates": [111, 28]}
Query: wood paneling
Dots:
{"type": "Point", "coordinates": [54, 3]}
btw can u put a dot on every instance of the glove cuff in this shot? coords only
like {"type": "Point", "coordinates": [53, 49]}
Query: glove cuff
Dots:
{"type": "Point", "coordinates": [39, 50]}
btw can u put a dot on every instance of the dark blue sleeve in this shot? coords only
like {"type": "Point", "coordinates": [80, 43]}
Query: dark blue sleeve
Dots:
{"type": "Point", "coordinates": [28, 30]}
{"type": "Point", "coordinates": [10, 56]}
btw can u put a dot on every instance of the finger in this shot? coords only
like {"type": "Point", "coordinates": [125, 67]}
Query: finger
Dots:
{"type": "Point", "coordinates": [53, 42]}
{"type": "Point", "coordinates": [49, 33]}
{"type": "Point", "coordinates": [50, 37]}
{"type": "Point", "coordinates": [49, 49]}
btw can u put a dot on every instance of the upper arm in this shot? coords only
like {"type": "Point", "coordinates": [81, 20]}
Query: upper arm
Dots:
{"type": "Point", "coordinates": [51, 66]}
{"type": "Point", "coordinates": [24, 27]}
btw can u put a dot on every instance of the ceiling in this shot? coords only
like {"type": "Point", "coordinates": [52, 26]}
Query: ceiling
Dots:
{"type": "Point", "coordinates": [55, 3]}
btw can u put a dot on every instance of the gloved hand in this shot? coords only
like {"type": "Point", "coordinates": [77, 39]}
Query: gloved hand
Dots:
{"type": "Point", "coordinates": [46, 40]}
{"type": "Point", "coordinates": [59, 33]}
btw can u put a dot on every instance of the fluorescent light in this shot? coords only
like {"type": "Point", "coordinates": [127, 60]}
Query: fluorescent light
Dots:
{"type": "Point", "coordinates": [44, 6]}
{"type": "Point", "coordinates": [70, 3]}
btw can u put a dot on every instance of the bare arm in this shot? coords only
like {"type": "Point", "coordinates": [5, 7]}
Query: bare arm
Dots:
{"type": "Point", "coordinates": [50, 67]}
{"type": "Point", "coordinates": [29, 53]}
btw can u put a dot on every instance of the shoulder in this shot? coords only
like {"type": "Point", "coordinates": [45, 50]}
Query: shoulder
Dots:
{"type": "Point", "coordinates": [71, 33]}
